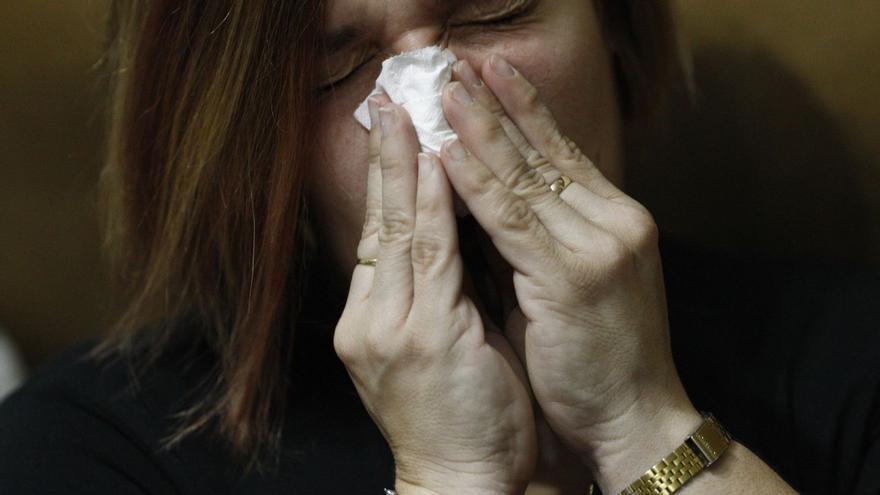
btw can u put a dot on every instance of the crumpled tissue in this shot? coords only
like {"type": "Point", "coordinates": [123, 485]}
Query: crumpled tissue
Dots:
{"type": "Point", "coordinates": [415, 80]}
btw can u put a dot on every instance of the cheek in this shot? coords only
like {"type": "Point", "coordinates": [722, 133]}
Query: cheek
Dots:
{"type": "Point", "coordinates": [339, 178]}
{"type": "Point", "coordinates": [575, 86]}
{"type": "Point", "coordinates": [570, 66]}
{"type": "Point", "coordinates": [343, 152]}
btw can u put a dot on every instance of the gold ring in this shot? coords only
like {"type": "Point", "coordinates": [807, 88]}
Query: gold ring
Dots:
{"type": "Point", "coordinates": [367, 261]}
{"type": "Point", "coordinates": [560, 184]}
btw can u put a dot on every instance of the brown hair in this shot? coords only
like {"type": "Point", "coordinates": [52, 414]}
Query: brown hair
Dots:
{"type": "Point", "coordinates": [648, 60]}
{"type": "Point", "coordinates": [208, 151]}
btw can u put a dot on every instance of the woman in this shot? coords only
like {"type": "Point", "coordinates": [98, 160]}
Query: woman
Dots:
{"type": "Point", "coordinates": [261, 229]}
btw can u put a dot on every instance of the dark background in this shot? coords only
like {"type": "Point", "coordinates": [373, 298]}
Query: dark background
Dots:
{"type": "Point", "coordinates": [780, 155]}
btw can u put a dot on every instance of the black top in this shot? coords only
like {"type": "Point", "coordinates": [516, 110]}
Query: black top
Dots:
{"type": "Point", "coordinates": [786, 356]}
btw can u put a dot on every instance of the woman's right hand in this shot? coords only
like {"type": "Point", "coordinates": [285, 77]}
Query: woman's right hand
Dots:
{"type": "Point", "coordinates": [446, 390]}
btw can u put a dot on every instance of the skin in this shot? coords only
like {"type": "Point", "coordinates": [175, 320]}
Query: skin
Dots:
{"type": "Point", "coordinates": [582, 95]}
{"type": "Point", "coordinates": [583, 340]}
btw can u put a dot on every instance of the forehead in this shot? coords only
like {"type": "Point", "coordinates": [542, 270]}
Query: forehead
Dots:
{"type": "Point", "coordinates": [348, 11]}
{"type": "Point", "coordinates": [359, 9]}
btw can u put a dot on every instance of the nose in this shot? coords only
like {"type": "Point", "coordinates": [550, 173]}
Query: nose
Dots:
{"type": "Point", "coordinates": [404, 34]}
{"type": "Point", "coordinates": [421, 37]}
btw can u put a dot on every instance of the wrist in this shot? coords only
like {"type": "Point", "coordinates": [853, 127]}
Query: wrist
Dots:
{"type": "Point", "coordinates": [406, 488]}
{"type": "Point", "coordinates": [649, 431]}
{"type": "Point", "coordinates": [453, 483]}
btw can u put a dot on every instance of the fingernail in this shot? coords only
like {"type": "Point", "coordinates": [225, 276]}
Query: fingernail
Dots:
{"type": "Point", "coordinates": [388, 119]}
{"type": "Point", "coordinates": [461, 94]}
{"type": "Point", "coordinates": [426, 165]}
{"type": "Point", "coordinates": [501, 66]}
{"type": "Point", "coordinates": [456, 149]}
{"type": "Point", "coordinates": [373, 105]}
{"type": "Point", "coordinates": [466, 73]}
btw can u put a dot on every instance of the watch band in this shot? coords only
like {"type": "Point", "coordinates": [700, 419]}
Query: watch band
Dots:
{"type": "Point", "coordinates": [699, 451]}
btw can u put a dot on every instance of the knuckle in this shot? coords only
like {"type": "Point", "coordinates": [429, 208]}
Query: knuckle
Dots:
{"type": "Point", "coordinates": [390, 163]}
{"type": "Point", "coordinates": [514, 213]}
{"type": "Point", "coordinates": [375, 152]}
{"type": "Point", "coordinates": [463, 325]}
{"type": "Point", "coordinates": [537, 161]}
{"type": "Point", "coordinates": [493, 105]}
{"type": "Point", "coordinates": [372, 218]}
{"type": "Point", "coordinates": [605, 269]}
{"type": "Point", "coordinates": [527, 182]}
{"type": "Point", "coordinates": [397, 227]}
{"type": "Point", "coordinates": [517, 138]}
{"type": "Point", "coordinates": [428, 253]}
{"type": "Point", "coordinates": [374, 206]}
{"type": "Point", "coordinates": [617, 259]}
{"type": "Point", "coordinates": [417, 345]}
{"type": "Point", "coordinates": [646, 232]}
{"type": "Point", "coordinates": [480, 181]}
{"type": "Point", "coordinates": [344, 346]}
{"type": "Point", "coordinates": [461, 319]}
{"type": "Point", "coordinates": [531, 99]}
{"type": "Point", "coordinates": [562, 147]}
{"type": "Point", "coordinates": [466, 333]}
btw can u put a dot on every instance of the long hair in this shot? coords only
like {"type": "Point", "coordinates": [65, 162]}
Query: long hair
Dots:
{"type": "Point", "coordinates": [208, 151]}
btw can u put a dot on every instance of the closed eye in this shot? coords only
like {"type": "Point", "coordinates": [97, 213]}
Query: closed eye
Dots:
{"type": "Point", "coordinates": [504, 20]}
{"type": "Point", "coordinates": [519, 12]}
{"type": "Point", "coordinates": [507, 19]}
{"type": "Point", "coordinates": [342, 80]}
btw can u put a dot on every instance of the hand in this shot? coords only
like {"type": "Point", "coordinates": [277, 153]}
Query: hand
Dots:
{"type": "Point", "coordinates": [447, 392]}
{"type": "Point", "coordinates": [591, 325]}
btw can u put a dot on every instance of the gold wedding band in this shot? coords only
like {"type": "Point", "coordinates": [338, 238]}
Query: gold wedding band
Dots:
{"type": "Point", "coordinates": [367, 261]}
{"type": "Point", "coordinates": [560, 184]}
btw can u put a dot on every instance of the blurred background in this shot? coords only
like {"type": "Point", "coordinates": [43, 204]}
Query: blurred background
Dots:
{"type": "Point", "coordinates": [780, 155]}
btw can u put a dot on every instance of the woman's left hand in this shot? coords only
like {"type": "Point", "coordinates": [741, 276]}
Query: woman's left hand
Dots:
{"type": "Point", "coordinates": [591, 326]}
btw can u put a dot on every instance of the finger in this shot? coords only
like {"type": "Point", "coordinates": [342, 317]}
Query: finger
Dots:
{"type": "Point", "coordinates": [522, 103]}
{"type": "Point", "coordinates": [368, 247]}
{"type": "Point", "coordinates": [482, 134]}
{"type": "Point", "coordinates": [583, 200]}
{"type": "Point", "coordinates": [464, 72]}
{"type": "Point", "coordinates": [509, 220]}
{"type": "Point", "coordinates": [436, 262]}
{"type": "Point", "coordinates": [628, 222]}
{"type": "Point", "coordinates": [393, 282]}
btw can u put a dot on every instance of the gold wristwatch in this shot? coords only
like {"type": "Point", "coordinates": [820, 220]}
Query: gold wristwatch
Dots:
{"type": "Point", "coordinates": [698, 452]}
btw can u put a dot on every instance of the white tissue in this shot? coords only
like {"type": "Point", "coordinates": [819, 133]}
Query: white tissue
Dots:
{"type": "Point", "coordinates": [415, 80]}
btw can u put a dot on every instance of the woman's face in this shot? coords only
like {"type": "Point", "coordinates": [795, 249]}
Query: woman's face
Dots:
{"type": "Point", "coordinates": [556, 44]}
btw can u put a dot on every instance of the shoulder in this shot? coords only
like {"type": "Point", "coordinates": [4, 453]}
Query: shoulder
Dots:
{"type": "Point", "coordinates": [76, 427]}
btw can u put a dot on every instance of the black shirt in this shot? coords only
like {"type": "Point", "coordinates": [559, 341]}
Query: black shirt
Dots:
{"type": "Point", "coordinates": [787, 357]}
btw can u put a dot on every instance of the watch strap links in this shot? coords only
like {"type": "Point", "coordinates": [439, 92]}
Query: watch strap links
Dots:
{"type": "Point", "coordinates": [699, 451]}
